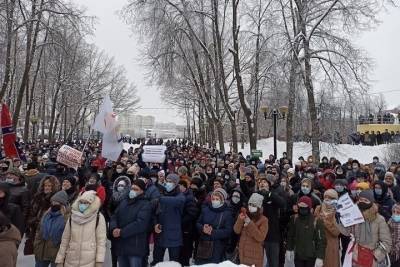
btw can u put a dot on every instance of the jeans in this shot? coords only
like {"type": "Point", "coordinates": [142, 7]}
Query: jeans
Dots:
{"type": "Point", "coordinates": [44, 264]}
{"type": "Point", "coordinates": [304, 263]}
{"type": "Point", "coordinates": [272, 252]}
{"type": "Point", "coordinates": [130, 261]}
{"type": "Point", "coordinates": [158, 254]}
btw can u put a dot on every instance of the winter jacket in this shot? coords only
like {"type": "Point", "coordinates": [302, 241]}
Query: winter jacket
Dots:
{"type": "Point", "coordinates": [20, 196]}
{"type": "Point", "coordinates": [384, 201]}
{"type": "Point", "coordinates": [117, 197]}
{"type": "Point", "coordinates": [84, 245]}
{"type": "Point", "coordinates": [190, 212]}
{"type": "Point", "coordinates": [45, 250]}
{"type": "Point", "coordinates": [332, 232]}
{"type": "Point", "coordinates": [252, 236]}
{"type": "Point", "coordinates": [222, 222]}
{"type": "Point", "coordinates": [306, 237]}
{"type": "Point", "coordinates": [33, 178]}
{"type": "Point", "coordinates": [169, 216]}
{"type": "Point", "coordinates": [9, 241]}
{"type": "Point", "coordinates": [11, 210]}
{"type": "Point", "coordinates": [133, 218]}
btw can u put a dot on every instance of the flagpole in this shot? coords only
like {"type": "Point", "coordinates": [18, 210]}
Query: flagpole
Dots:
{"type": "Point", "coordinates": [87, 140]}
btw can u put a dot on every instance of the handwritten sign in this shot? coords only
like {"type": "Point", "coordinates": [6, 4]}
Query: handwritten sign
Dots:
{"type": "Point", "coordinates": [69, 156]}
{"type": "Point", "coordinates": [154, 154]}
{"type": "Point", "coordinates": [350, 214]}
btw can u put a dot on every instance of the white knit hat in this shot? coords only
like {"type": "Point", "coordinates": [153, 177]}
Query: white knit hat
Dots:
{"type": "Point", "coordinates": [256, 200]}
{"type": "Point", "coordinates": [88, 196]}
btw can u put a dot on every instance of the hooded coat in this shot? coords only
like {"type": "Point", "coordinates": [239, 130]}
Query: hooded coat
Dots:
{"type": "Point", "coordinates": [83, 243]}
{"type": "Point", "coordinates": [9, 241]}
{"type": "Point", "coordinates": [384, 201]}
{"type": "Point", "coordinates": [19, 195]}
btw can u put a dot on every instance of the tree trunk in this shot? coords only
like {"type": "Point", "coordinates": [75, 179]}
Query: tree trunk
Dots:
{"type": "Point", "coordinates": [290, 115]}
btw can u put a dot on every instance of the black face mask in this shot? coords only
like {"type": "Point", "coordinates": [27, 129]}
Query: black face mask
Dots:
{"type": "Point", "coordinates": [303, 211]}
{"type": "Point", "coordinates": [364, 206]}
{"type": "Point", "coordinates": [91, 187]}
{"type": "Point", "coordinates": [55, 208]}
{"type": "Point", "coordinates": [70, 190]}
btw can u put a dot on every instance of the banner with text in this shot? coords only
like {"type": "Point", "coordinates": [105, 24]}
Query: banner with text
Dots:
{"type": "Point", "coordinates": [69, 156]}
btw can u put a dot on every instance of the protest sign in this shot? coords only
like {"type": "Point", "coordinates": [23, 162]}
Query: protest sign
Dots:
{"type": "Point", "coordinates": [155, 154]}
{"type": "Point", "coordinates": [350, 214]}
{"type": "Point", "coordinates": [69, 156]}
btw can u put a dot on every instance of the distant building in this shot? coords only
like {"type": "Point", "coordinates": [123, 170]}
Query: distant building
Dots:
{"type": "Point", "coordinates": [135, 125]}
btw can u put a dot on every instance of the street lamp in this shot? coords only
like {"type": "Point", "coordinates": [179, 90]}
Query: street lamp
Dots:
{"type": "Point", "coordinates": [34, 121]}
{"type": "Point", "coordinates": [275, 114]}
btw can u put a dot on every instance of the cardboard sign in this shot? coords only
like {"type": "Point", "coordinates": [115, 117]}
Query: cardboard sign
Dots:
{"type": "Point", "coordinates": [350, 214]}
{"type": "Point", "coordinates": [69, 156]}
{"type": "Point", "coordinates": [154, 154]}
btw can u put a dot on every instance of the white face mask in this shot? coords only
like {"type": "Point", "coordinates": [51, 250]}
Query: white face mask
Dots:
{"type": "Point", "coordinates": [119, 170]}
{"type": "Point", "coordinates": [252, 209]}
{"type": "Point", "coordinates": [235, 199]}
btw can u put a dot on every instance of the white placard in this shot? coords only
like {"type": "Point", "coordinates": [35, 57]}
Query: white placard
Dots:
{"type": "Point", "coordinates": [154, 154]}
{"type": "Point", "coordinates": [69, 156]}
{"type": "Point", "coordinates": [350, 214]}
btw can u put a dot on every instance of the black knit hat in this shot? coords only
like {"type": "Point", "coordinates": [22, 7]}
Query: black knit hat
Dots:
{"type": "Point", "coordinates": [139, 183]}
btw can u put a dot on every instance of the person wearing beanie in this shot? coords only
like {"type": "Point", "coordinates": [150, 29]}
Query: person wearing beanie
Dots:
{"type": "Point", "coordinates": [252, 226]}
{"type": "Point", "coordinates": [394, 225]}
{"type": "Point", "coordinates": [33, 177]}
{"type": "Point", "coordinates": [305, 229]}
{"type": "Point", "coordinates": [129, 226]}
{"type": "Point", "coordinates": [248, 184]}
{"type": "Point", "coordinates": [340, 186]}
{"type": "Point", "coordinates": [69, 185]}
{"type": "Point", "coordinates": [40, 204]}
{"type": "Point", "coordinates": [94, 184]}
{"type": "Point", "coordinates": [120, 191]}
{"type": "Point", "coordinates": [50, 230]}
{"type": "Point", "coordinates": [10, 239]}
{"type": "Point", "coordinates": [326, 213]}
{"type": "Point", "coordinates": [168, 221]}
{"type": "Point", "coordinates": [86, 225]}
{"type": "Point", "coordinates": [372, 237]}
{"type": "Point", "coordinates": [306, 190]}
{"type": "Point", "coordinates": [382, 199]}
{"type": "Point", "coordinates": [214, 226]}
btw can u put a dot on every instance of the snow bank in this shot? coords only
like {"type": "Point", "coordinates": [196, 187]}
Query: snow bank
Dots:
{"type": "Point", "coordinates": [342, 152]}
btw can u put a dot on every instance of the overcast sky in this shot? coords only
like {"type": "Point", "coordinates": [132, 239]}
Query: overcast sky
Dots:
{"type": "Point", "coordinates": [116, 39]}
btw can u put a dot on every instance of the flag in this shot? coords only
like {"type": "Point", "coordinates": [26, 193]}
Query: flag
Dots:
{"type": "Point", "coordinates": [106, 123]}
{"type": "Point", "coordinates": [106, 120]}
{"type": "Point", "coordinates": [11, 146]}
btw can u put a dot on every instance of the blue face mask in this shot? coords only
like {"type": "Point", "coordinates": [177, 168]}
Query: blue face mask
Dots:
{"type": "Point", "coordinates": [378, 191]}
{"type": "Point", "coordinates": [83, 207]}
{"type": "Point", "coordinates": [396, 218]}
{"type": "Point", "coordinates": [339, 188]}
{"type": "Point", "coordinates": [132, 194]}
{"type": "Point", "coordinates": [305, 190]}
{"type": "Point", "coordinates": [169, 186]}
{"type": "Point", "coordinates": [216, 204]}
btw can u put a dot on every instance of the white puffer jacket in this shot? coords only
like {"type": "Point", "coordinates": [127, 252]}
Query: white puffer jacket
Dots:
{"type": "Point", "coordinates": [83, 245]}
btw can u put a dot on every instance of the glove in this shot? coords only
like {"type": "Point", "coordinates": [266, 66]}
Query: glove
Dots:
{"type": "Point", "coordinates": [319, 263]}
{"type": "Point", "coordinates": [99, 264]}
{"type": "Point", "coordinates": [289, 256]}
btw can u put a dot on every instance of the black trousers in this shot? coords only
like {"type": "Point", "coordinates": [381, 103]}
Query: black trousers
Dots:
{"type": "Point", "coordinates": [304, 263]}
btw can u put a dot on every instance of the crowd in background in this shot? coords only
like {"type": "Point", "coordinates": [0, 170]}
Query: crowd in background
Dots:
{"type": "Point", "coordinates": [385, 118]}
{"type": "Point", "coordinates": [201, 205]}
{"type": "Point", "coordinates": [373, 139]}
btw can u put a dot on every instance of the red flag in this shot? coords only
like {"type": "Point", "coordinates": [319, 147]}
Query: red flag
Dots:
{"type": "Point", "coordinates": [9, 136]}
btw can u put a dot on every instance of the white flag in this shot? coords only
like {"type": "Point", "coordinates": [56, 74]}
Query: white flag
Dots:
{"type": "Point", "coordinates": [106, 120]}
{"type": "Point", "coordinates": [111, 149]}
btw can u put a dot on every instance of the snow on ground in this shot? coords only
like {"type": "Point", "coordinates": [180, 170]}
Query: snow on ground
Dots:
{"type": "Point", "coordinates": [342, 152]}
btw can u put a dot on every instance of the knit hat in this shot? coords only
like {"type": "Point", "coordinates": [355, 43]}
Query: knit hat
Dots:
{"type": "Point", "coordinates": [305, 200]}
{"type": "Point", "coordinates": [291, 170]}
{"type": "Point", "coordinates": [389, 174]}
{"type": "Point", "coordinates": [71, 180]}
{"type": "Point", "coordinates": [331, 194]}
{"type": "Point", "coordinates": [256, 200]}
{"type": "Point", "coordinates": [60, 197]}
{"type": "Point", "coordinates": [363, 185]}
{"type": "Point", "coordinates": [221, 192]}
{"type": "Point", "coordinates": [307, 181]}
{"type": "Point", "coordinates": [139, 183]}
{"type": "Point", "coordinates": [197, 181]}
{"type": "Point", "coordinates": [340, 182]}
{"type": "Point", "coordinates": [368, 194]}
{"type": "Point", "coordinates": [173, 177]}
{"type": "Point", "coordinates": [89, 196]}
{"type": "Point", "coordinates": [185, 183]}
{"type": "Point", "coordinates": [249, 173]}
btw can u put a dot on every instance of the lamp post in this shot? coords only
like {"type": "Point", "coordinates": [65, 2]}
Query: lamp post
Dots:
{"type": "Point", "coordinates": [275, 114]}
{"type": "Point", "coordinates": [34, 121]}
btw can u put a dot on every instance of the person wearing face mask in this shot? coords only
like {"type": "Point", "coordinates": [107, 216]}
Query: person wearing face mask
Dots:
{"type": "Point", "coordinates": [394, 225]}
{"type": "Point", "coordinates": [11, 210]}
{"type": "Point", "coordinates": [10, 239]}
{"type": "Point", "coordinates": [324, 163]}
{"type": "Point", "coordinates": [129, 226]}
{"type": "Point", "coordinates": [306, 241]}
{"type": "Point", "coordinates": [340, 173]}
{"type": "Point", "coordinates": [354, 172]}
{"type": "Point", "coordinates": [83, 242]}
{"type": "Point", "coordinates": [50, 230]}
{"type": "Point", "coordinates": [41, 202]}
{"type": "Point", "coordinates": [119, 170]}
{"type": "Point", "coordinates": [252, 226]}
{"type": "Point", "coordinates": [382, 199]}
{"type": "Point", "coordinates": [151, 192]}
{"type": "Point", "coordinates": [393, 189]}
{"type": "Point", "coordinates": [326, 213]}
{"type": "Point", "coordinates": [69, 185]}
{"type": "Point", "coordinates": [248, 184]}
{"type": "Point", "coordinates": [168, 221]}
{"type": "Point", "coordinates": [372, 237]}
{"type": "Point", "coordinates": [306, 190]}
{"type": "Point", "coordinates": [340, 186]}
{"type": "Point", "coordinates": [93, 184]}
{"type": "Point", "coordinates": [214, 225]}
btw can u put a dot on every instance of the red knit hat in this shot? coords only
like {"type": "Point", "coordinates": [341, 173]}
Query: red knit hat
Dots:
{"type": "Point", "coordinates": [305, 200]}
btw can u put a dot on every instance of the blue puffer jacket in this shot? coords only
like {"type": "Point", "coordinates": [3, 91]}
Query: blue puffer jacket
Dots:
{"type": "Point", "coordinates": [169, 216]}
{"type": "Point", "coordinates": [221, 220]}
{"type": "Point", "coordinates": [133, 218]}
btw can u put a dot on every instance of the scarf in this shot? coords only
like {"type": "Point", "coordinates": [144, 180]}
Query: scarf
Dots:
{"type": "Point", "coordinates": [395, 230]}
{"type": "Point", "coordinates": [80, 218]}
{"type": "Point", "coordinates": [363, 231]}
{"type": "Point", "coordinates": [53, 224]}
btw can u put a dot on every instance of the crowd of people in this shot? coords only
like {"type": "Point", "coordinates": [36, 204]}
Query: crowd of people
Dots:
{"type": "Point", "coordinates": [201, 205]}
{"type": "Point", "coordinates": [373, 139]}
{"type": "Point", "coordinates": [385, 118]}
